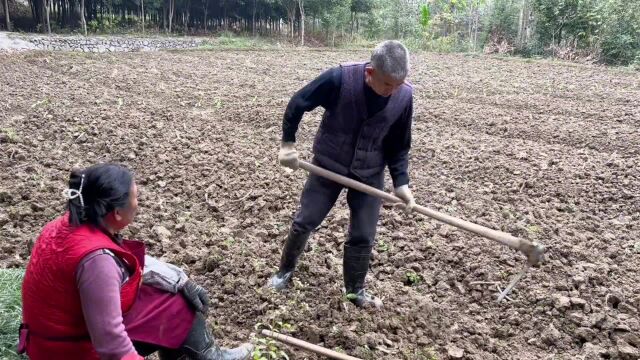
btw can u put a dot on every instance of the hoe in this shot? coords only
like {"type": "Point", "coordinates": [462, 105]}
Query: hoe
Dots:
{"type": "Point", "coordinates": [533, 251]}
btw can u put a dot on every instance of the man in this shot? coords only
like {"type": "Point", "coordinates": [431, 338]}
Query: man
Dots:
{"type": "Point", "coordinates": [366, 125]}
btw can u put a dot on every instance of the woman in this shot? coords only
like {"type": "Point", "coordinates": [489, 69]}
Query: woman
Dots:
{"type": "Point", "coordinates": [85, 295]}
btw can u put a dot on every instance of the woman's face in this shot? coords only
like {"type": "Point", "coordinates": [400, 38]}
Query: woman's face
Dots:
{"type": "Point", "coordinates": [124, 216]}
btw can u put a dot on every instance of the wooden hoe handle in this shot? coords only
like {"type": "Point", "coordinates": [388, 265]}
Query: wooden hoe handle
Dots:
{"type": "Point", "coordinates": [308, 346]}
{"type": "Point", "coordinates": [533, 251]}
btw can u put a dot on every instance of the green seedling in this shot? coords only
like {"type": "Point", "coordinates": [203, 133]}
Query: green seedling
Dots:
{"type": "Point", "coordinates": [383, 246]}
{"type": "Point", "coordinates": [413, 278]}
{"type": "Point", "coordinates": [268, 349]}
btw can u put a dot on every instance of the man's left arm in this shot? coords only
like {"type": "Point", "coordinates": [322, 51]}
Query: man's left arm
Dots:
{"type": "Point", "coordinates": [397, 144]}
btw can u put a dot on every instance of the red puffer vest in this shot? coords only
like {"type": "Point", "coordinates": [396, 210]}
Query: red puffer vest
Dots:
{"type": "Point", "coordinates": [53, 325]}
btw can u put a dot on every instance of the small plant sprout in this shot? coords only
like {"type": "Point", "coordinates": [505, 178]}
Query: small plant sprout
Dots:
{"type": "Point", "coordinates": [10, 134]}
{"type": "Point", "coordinates": [383, 246]}
{"type": "Point", "coordinates": [268, 349]}
{"type": "Point", "coordinates": [413, 278]}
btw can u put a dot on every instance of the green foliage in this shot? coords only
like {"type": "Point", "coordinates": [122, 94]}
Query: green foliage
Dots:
{"type": "Point", "coordinates": [621, 32]}
{"type": "Point", "coordinates": [453, 43]}
{"type": "Point", "coordinates": [383, 246]}
{"type": "Point", "coordinates": [610, 27]}
{"type": "Point", "coordinates": [413, 278]}
{"type": "Point", "coordinates": [373, 26]}
{"type": "Point", "coordinates": [228, 40]}
{"type": "Point", "coordinates": [608, 30]}
{"type": "Point", "coordinates": [335, 15]}
{"type": "Point", "coordinates": [362, 6]}
{"type": "Point", "coordinates": [425, 16]}
{"type": "Point", "coordinates": [534, 229]}
{"type": "Point", "coordinates": [332, 13]}
{"type": "Point", "coordinates": [10, 135]}
{"type": "Point", "coordinates": [573, 21]}
{"type": "Point", "coordinates": [501, 20]}
{"type": "Point", "coordinates": [10, 312]}
{"type": "Point", "coordinates": [398, 19]}
{"type": "Point", "coordinates": [269, 349]}
{"type": "Point", "coordinates": [111, 26]}
{"type": "Point", "coordinates": [278, 326]}
{"type": "Point", "coordinates": [427, 353]}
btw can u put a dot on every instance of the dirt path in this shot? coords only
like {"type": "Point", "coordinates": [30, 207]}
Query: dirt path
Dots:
{"type": "Point", "coordinates": [8, 43]}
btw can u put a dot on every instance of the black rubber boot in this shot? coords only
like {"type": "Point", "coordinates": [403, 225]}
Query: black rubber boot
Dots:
{"type": "Point", "coordinates": [200, 345]}
{"type": "Point", "coordinates": [169, 354]}
{"type": "Point", "coordinates": [293, 248]}
{"type": "Point", "coordinates": [355, 267]}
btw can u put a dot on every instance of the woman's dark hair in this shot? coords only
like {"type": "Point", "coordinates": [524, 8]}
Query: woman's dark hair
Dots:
{"type": "Point", "coordinates": [105, 187]}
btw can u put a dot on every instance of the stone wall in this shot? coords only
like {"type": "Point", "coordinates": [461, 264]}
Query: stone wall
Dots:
{"type": "Point", "coordinates": [109, 44]}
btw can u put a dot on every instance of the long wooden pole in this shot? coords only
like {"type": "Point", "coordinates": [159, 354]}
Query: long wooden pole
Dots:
{"type": "Point", "coordinates": [531, 250]}
{"type": "Point", "coordinates": [308, 346]}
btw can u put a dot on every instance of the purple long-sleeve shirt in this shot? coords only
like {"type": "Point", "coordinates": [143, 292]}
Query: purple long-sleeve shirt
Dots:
{"type": "Point", "coordinates": [99, 279]}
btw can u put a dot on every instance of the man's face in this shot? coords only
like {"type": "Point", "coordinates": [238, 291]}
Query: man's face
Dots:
{"type": "Point", "coordinates": [382, 84]}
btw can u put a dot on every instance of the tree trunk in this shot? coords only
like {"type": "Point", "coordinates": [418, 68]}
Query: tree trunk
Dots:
{"type": "Point", "coordinates": [470, 22]}
{"type": "Point", "coordinates": [83, 20]}
{"type": "Point", "coordinates": [164, 16]}
{"type": "Point", "coordinates": [34, 12]}
{"type": "Point", "coordinates": [255, 9]}
{"type": "Point", "coordinates": [523, 24]}
{"type": "Point", "coordinates": [291, 15]}
{"type": "Point", "coordinates": [290, 6]}
{"type": "Point", "coordinates": [142, 10]}
{"type": "Point", "coordinates": [224, 16]}
{"type": "Point", "coordinates": [206, 3]}
{"type": "Point", "coordinates": [186, 20]}
{"type": "Point", "coordinates": [67, 9]}
{"type": "Point", "coordinates": [475, 35]}
{"type": "Point", "coordinates": [520, 25]}
{"type": "Point", "coordinates": [301, 4]}
{"type": "Point", "coordinates": [46, 10]}
{"type": "Point", "coordinates": [60, 13]}
{"type": "Point", "coordinates": [352, 21]}
{"type": "Point", "coordinates": [171, 2]}
{"type": "Point", "coordinates": [6, 15]}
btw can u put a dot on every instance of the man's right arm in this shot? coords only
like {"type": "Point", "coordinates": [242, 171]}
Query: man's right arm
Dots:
{"type": "Point", "coordinates": [322, 91]}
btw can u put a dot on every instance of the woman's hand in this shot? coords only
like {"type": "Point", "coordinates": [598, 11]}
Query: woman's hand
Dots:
{"type": "Point", "coordinates": [196, 295]}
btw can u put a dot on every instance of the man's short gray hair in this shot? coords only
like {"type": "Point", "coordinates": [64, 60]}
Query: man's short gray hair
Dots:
{"type": "Point", "coordinates": [391, 58]}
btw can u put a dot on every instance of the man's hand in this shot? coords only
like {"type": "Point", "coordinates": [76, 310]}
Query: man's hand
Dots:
{"type": "Point", "coordinates": [288, 156]}
{"type": "Point", "coordinates": [404, 193]}
{"type": "Point", "coordinates": [196, 295]}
